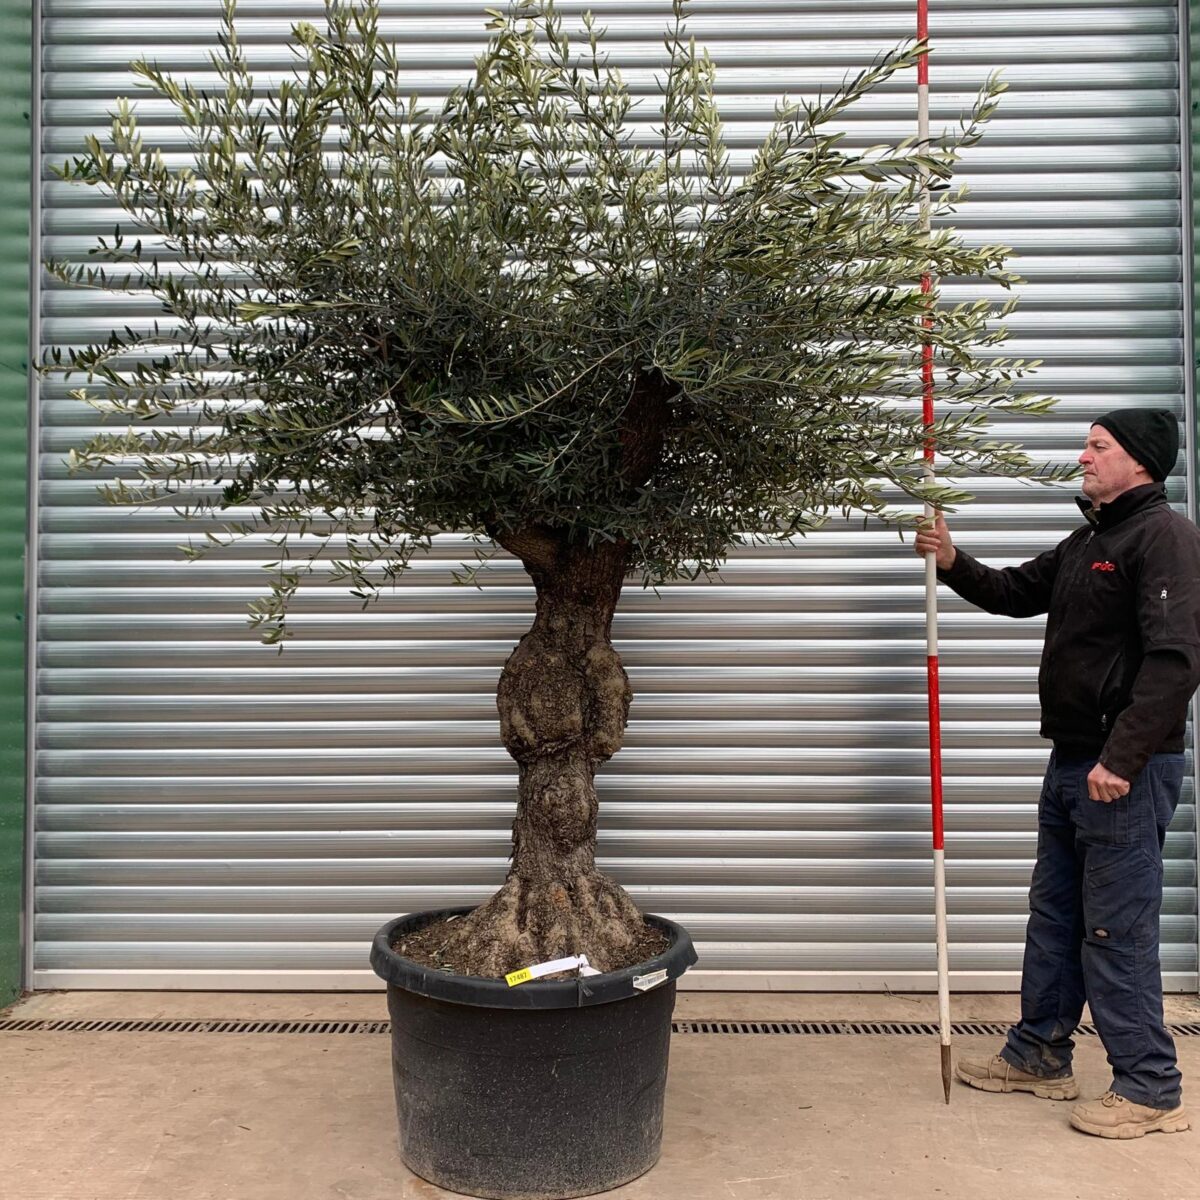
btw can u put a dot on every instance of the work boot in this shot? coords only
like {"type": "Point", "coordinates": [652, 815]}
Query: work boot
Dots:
{"type": "Point", "coordinates": [991, 1073]}
{"type": "Point", "coordinates": [1114, 1116]}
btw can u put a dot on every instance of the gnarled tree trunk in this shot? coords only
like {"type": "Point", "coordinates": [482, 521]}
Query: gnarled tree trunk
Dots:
{"type": "Point", "coordinates": [564, 702]}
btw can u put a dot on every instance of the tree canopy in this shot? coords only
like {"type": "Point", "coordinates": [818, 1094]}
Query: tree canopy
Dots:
{"type": "Point", "coordinates": [513, 316]}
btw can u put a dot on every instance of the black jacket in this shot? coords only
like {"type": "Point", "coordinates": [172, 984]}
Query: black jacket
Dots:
{"type": "Point", "coordinates": [1122, 653]}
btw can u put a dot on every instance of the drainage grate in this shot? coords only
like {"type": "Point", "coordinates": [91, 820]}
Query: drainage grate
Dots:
{"type": "Point", "coordinates": [844, 1028]}
{"type": "Point", "coordinates": [841, 1028]}
{"type": "Point", "coordinates": [880, 1028]}
{"type": "Point", "coordinates": [168, 1026]}
{"type": "Point", "coordinates": [690, 1028]}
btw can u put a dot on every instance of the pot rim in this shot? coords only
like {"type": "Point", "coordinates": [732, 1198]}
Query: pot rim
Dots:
{"type": "Point", "coordinates": [403, 972]}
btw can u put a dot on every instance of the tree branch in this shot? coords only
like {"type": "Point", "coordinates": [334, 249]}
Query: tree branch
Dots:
{"type": "Point", "coordinates": [644, 425]}
{"type": "Point", "coordinates": [537, 546]}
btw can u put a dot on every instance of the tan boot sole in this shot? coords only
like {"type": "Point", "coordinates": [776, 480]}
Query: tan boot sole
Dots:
{"type": "Point", "coordinates": [1045, 1089]}
{"type": "Point", "coordinates": [1175, 1122]}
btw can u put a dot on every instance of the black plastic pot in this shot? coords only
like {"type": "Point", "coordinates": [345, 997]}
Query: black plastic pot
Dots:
{"type": "Point", "coordinates": [543, 1091]}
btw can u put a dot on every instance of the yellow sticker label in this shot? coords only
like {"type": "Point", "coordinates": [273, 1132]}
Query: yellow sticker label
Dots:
{"type": "Point", "coordinates": [515, 977]}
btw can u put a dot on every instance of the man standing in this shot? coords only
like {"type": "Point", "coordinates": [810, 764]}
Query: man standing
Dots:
{"type": "Point", "coordinates": [1119, 665]}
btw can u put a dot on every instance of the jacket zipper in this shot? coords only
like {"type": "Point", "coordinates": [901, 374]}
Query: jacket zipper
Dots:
{"type": "Point", "coordinates": [1070, 585]}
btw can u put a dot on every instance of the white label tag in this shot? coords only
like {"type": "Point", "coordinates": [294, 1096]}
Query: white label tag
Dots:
{"type": "Point", "coordinates": [576, 961]}
{"type": "Point", "coordinates": [644, 983]}
{"type": "Point", "coordinates": [555, 964]}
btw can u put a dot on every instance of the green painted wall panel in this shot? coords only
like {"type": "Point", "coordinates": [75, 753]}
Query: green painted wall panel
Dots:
{"type": "Point", "coordinates": [15, 75]}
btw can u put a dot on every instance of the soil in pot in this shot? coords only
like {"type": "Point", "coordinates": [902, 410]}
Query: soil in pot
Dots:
{"type": "Point", "coordinates": [427, 947]}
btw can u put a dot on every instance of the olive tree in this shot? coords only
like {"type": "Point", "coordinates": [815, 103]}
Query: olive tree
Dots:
{"type": "Point", "coordinates": [511, 316]}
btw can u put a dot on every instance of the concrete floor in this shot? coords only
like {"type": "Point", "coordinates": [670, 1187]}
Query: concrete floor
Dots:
{"type": "Point", "coordinates": [308, 1117]}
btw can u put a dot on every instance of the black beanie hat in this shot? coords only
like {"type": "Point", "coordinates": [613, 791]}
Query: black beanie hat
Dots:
{"type": "Point", "coordinates": [1151, 435]}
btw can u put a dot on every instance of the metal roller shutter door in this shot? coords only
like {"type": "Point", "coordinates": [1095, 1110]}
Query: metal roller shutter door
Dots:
{"type": "Point", "coordinates": [211, 814]}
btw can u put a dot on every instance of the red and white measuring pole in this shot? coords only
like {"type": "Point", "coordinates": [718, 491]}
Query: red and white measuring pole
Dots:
{"type": "Point", "coordinates": [931, 623]}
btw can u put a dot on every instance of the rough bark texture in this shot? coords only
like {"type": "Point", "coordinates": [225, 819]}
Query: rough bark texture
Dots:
{"type": "Point", "coordinates": [564, 700]}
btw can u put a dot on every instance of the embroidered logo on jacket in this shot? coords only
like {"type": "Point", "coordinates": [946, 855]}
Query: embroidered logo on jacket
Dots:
{"type": "Point", "coordinates": [1104, 566]}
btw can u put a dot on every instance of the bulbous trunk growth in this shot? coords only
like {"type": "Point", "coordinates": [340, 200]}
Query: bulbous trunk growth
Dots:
{"type": "Point", "coordinates": [564, 702]}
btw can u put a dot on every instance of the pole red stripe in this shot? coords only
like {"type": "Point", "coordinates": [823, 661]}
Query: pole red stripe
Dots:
{"type": "Point", "coordinates": [927, 372]}
{"type": "Point", "coordinates": [935, 750]}
{"type": "Point", "coordinates": [922, 34]}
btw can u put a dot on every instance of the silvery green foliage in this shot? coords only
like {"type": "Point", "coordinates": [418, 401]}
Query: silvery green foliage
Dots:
{"type": "Point", "coordinates": [384, 321]}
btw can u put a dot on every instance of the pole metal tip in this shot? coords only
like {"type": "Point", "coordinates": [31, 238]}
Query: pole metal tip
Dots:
{"type": "Point", "coordinates": [946, 1072]}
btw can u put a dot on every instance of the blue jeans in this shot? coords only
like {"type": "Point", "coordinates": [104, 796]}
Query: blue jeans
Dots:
{"type": "Point", "coordinates": [1093, 930]}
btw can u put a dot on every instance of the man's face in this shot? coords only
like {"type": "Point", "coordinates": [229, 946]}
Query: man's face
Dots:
{"type": "Point", "coordinates": [1108, 468]}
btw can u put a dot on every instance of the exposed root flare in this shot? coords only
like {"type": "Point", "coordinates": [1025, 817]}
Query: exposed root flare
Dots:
{"type": "Point", "coordinates": [526, 923]}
